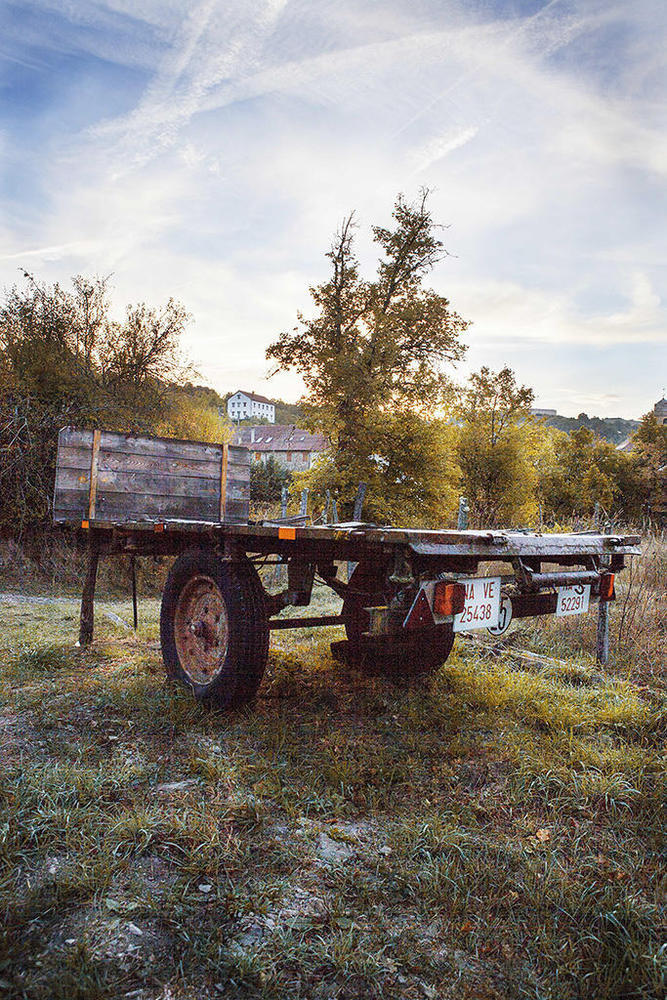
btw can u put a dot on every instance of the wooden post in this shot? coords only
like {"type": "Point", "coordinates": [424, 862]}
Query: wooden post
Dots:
{"type": "Point", "coordinates": [133, 570]}
{"type": "Point", "coordinates": [303, 509]}
{"type": "Point", "coordinates": [283, 501]}
{"type": "Point", "coordinates": [88, 595]}
{"type": "Point", "coordinates": [602, 646]}
{"type": "Point", "coordinates": [356, 516]}
{"type": "Point", "coordinates": [359, 501]}
{"type": "Point", "coordinates": [464, 510]}
{"type": "Point", "coordinates": [602, 638]}
{"type": "Point", "coordinates": [327, 509]}
{"type": "Point", "coordinates": [334, 512]}
{"type": "Point", "coordinates": [223, 481]}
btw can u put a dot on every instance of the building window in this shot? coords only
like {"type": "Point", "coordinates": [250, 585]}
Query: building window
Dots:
{"type": "Point", "coordinates": [289, 456]}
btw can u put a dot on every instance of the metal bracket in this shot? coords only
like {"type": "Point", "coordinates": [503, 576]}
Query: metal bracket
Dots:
{"type": "Point", "coordinates": [402, 573]}
{"type": "Point", "coordinates": [300, 576]}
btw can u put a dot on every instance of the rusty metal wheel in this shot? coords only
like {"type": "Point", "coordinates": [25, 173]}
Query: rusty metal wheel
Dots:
{"type": "Point", "coordinates": [201, 629]}
{"type": "Point", "coordinates": [214, 627]}
{"type": "Point", "coordinates": [405, 654]}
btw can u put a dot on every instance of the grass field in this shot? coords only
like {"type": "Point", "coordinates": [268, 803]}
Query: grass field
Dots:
{"type": "Point", "coordinates": [493, 832]}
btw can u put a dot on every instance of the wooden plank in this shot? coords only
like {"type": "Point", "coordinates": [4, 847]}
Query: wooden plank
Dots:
{"type": "Point", "coordinates": [70, 457]}
{"type": "Point", "coordinates": [123, 507]}
{"type": "Point", "coordinates": [134, 444]}
{"type": "Point", "coordinates": [142, 484]}
{"type": "Point", "coordinates": [139, 483]}
{"type": "Point", "coordinates": [223, 480]}
{"type": "Point", "coordinates": [237, 511]}
{"type": "Point", "coordinates": [92, 494]}
{"type": "Point", "coordinates": [239, 455]}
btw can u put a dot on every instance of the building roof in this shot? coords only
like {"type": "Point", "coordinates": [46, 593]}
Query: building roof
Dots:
{"type": "Point", "coordinates": [279, 437]}
{"type": "Point", "coordinates": [253, 396]}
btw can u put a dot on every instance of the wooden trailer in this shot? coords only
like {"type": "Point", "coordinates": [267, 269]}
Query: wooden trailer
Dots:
{"type": "Point", "coordinates": [410, 593]}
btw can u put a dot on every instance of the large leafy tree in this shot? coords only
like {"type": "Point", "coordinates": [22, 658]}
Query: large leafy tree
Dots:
{"type": "Point", "coordinates": [495, 448]}
{"type": "Point", "coordinates": [374, 356]}
{"type": "Point", "coordinates": [63, 359]}
{"type": "Point", "coordinates": [583, 470]}
{"type": "Point", "coordinates": [649, 454]}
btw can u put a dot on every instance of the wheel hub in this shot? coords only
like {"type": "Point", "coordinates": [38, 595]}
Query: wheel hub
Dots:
{"type": "Point", "coordinates": [201, 629]}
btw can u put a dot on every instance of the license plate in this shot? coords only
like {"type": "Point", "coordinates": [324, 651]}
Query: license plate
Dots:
{"type": "Point", "coordinates": [573, 600]}
{"type": "Point", "coordinates": [482, 604]}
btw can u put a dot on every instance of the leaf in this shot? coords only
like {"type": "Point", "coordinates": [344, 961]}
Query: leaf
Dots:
{"type": "Point", "coordinates": [543, 835]}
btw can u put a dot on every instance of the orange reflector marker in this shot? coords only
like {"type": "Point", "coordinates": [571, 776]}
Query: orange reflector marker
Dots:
{"type": "Point", "coordinates": [158, 527]}
{"type": "Point", "coordinates": [85, 524]}
{"type": "Point", "coordinates": [449, 598]}
{"type": "Point", "coordinates": [288, 534]}
{"type": "Point", "coordinates": [607, 592]}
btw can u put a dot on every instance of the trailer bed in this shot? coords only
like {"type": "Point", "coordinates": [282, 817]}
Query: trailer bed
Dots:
{"type": "Point", "coordinates": [405, 591]}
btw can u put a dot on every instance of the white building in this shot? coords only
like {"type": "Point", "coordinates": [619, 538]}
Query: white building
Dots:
{"type": "Point", "coordinates": [245, 405]}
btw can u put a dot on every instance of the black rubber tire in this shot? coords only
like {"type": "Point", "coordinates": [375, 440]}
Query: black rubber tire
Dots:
{"type": "Point", "coordinates": [410, 654]}
{"type": "Point", "coordinates": [248, 645]}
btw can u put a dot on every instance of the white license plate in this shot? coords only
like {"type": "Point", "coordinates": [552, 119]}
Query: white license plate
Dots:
{"type": "Point", "coordinates": [482, 604]}
{"type": "Point", "coordinates": [573, 600]}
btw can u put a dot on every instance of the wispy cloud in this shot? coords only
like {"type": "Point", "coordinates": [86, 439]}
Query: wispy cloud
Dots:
{"type": "Point", "coordinates": [244, 132]}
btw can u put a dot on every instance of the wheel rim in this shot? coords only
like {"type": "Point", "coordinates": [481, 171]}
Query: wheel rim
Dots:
{"type": "Point", "coordinates": [201, 629]}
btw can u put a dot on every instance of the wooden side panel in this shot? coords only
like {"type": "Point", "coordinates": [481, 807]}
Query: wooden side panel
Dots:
{"type": "Point", "coordinates": [129, 478]}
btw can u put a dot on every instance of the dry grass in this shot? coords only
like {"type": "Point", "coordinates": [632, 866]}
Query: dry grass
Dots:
{"type": "Point", "coordinates": [493, 833]}
{"type": "Point", "coordinates": [637, 625]}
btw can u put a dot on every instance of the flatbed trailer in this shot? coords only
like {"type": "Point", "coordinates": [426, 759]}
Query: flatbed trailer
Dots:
{"type": "Point", "coordinates": [411, 591]}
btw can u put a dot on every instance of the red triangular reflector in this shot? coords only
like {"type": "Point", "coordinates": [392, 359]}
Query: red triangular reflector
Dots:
{"type": "Point", "coordinates": [420, 613]}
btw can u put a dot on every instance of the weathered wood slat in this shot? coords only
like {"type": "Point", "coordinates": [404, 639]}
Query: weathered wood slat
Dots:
{"type": "Point", "coordinates": [116, 461]}
{"type": "Point", "coordinates": [92, 494]}
{"type": "Point", "coordinates": [142, 485]}
{"type": "Point", "coordinates": [135, 445]}
{"type": "Point", "coordinates": [237, 511]}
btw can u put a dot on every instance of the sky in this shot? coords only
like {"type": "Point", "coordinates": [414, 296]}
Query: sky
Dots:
{"type": "Point", "coordinates": [209, 150]}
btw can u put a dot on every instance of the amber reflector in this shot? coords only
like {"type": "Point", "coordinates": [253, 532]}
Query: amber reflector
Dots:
{"type": "Point", "coordinates": [607, 587]}
{"type": "Point", "coordinates": [449, 598]}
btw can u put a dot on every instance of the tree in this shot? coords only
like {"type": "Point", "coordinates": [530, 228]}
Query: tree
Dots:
{"type": "Point", "coordinates": [649, 453]}
{"type": "Point", "coordinates": [495, 448]}
{"type": "Point", "coordinates": [584, 470]}
{"type": "Point", "coordinates": [267, 480]}
{"type": "Point", "coordinates": [373, 354]}
{"type": "Point", "coordinates": [63, 360]}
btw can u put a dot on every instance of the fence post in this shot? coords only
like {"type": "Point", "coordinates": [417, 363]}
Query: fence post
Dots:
{"type": "Point", "coordinates": [602, 647]}
{"type": "Point", "coordinates": [133, 571]}
{"type": "Point", "coordinates": [356, 516]}
{"type": "Point", "coordinates": [303, 509]}
{"type": "Point", "coordinates": [87, 617]}
{"type": "Point", "coordinates": [283, 501]}
{"type": "Point", "coordinates": [359, 501]}
{"type": "Point", "coordinates": [464, 509]}
{"type": "Point", "coordinates": [327, 509]}
{"type": "Point", "coordinates": [602, 638]}
{"type": "Point", "coordinates": [334, 512]}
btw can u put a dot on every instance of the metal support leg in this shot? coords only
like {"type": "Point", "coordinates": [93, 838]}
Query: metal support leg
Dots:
{"type": "Point", "coordinates": [602, 650]}
{"type": "Point", "coordinates": [88, 595]}
{"type": "Point", "coordinates": [133, 570]}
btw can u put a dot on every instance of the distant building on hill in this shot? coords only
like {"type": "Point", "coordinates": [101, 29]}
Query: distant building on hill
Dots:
{"type": "Point", "coordinates": [540, 411]}
{"type": "Point", "coordinates": [244, 405]}
{"type": "Point", "coordinates": [290, 446]}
